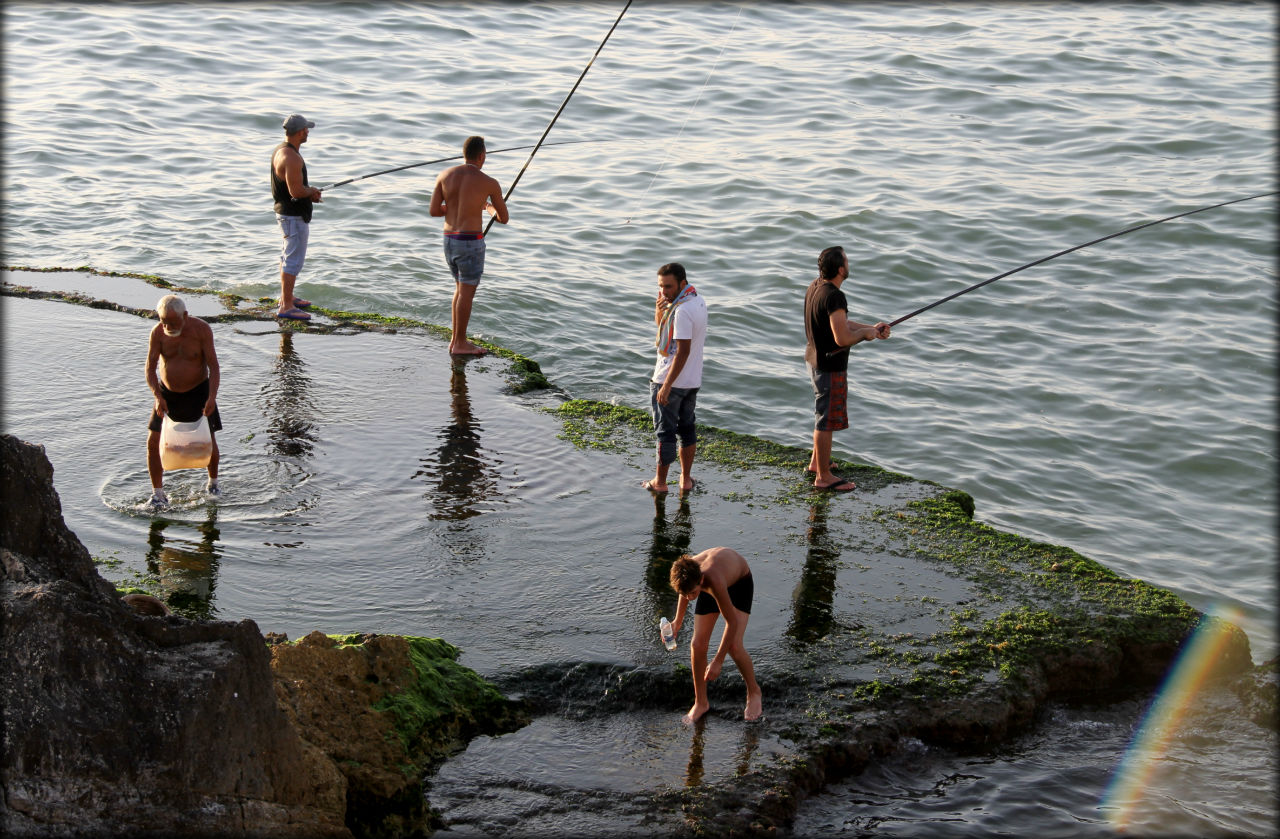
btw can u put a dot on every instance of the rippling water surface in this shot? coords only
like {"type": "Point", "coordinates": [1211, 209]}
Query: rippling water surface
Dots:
{"type": "Point", "coordinates": [1120, 399]}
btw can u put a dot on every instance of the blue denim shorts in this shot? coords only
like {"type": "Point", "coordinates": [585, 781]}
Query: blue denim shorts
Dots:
{"type": "Point", "coordinates": [296, 232]}
{"type": "Point", "coordinates": [465, 258]}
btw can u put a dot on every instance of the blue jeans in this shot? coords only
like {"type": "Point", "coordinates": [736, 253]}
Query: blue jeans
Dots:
{"type": "Point", "coordinates": [674, 419]}
{"type": "Point", "coordinates": [296, 232]}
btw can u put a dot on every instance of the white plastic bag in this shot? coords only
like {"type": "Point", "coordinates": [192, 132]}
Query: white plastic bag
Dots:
{"type": "Point", "coordinates": [185, 445]}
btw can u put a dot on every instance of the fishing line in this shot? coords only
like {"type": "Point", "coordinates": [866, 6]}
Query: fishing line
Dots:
{"type": "Point", "coordinates": [444, 160]}
{"type": "Point", "coordinates": [688, 116]}
{"type": "Point", "coordinates": [512, 188]}
{"type": "Point", "coordinates": [976, 286]}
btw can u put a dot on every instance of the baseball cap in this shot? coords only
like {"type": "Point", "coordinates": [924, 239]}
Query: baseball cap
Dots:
{"type": "Point", "coordinates": [296, 122]}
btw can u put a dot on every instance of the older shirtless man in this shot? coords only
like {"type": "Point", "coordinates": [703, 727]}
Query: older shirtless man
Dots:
{"type": "Point", "coordinates": [463, 194]}
{"type": "Point", "coordinates": [183, 374]}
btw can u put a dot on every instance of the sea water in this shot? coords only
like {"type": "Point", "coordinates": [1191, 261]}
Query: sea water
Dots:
{"type": "Point", "coordinates": [1119, 400]}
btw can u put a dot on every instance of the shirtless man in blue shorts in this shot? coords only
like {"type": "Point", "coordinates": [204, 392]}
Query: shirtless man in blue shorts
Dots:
{"type": "Point", "coordinates": [718, 582]}
{"type": "Point", "coordinates": [463, 194]}
{"type": "Point", "coordinates": [183, 374]}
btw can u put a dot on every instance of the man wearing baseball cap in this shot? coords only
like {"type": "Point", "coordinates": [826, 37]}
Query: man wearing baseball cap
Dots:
{"type": "Point", "coordinates": [293, 199]}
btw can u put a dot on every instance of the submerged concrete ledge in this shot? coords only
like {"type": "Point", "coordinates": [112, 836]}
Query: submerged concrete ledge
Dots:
{"type": "Point", "coordinates": [18, 281]}
{"type": "Point", "coordinates": [1037, 622]}
{"type": "Point", "coordinates": [1008, 624]}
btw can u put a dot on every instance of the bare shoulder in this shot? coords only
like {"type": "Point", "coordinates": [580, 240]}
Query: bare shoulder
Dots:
{"type": "Point", "coordinates": [451, 175]}
{"type": "Point", "coordinates": [201, 326]}
{"type": "Point", "coordinates": [285, 155]}
{"type": "Point", "coordinates": [722, 557]}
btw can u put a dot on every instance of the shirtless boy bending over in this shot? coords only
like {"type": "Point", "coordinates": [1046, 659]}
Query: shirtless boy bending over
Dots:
{"type": "Point", "coordinates": [718, 582]}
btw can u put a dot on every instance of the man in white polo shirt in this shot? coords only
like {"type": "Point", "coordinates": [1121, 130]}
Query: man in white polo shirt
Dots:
{"type": "Point", "coordinates": [681, 316]}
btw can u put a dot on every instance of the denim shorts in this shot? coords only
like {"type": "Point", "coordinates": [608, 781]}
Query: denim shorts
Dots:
{"type": "Point", "coordinates": [831, 397]}
{"type": "Point", "coordinates": [296, 232]}
{"type": "Point", "coordinates": [465, 258]}
{"type": "Point", "coordinates": [673, 419]}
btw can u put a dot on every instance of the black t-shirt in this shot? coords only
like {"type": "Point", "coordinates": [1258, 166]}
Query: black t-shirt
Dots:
{"type": "Point", "coordinates": [820, 300]}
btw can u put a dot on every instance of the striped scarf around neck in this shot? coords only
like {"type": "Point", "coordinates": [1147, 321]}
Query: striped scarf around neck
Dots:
{"type": "Point", "coordinates": [666, 342]}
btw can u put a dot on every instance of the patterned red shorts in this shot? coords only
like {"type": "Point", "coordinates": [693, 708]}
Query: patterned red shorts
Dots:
{"type": "Point", "coordinates": [831, 399]}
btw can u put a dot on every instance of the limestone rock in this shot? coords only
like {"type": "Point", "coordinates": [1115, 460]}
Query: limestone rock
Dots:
{"type": "Point", "coordinates": [386, 709]}
{"type": "Point", "coordinates": [116, 723]}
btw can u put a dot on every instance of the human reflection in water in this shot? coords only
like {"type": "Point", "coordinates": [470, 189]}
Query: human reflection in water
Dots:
{"type": "Point", "coordinates": [287, 405]}
{"type": "Point", "coordinates": [813, 616]}
{"type": "Point", "coordinates": [696, 770]}
{"type": "Point", "coordinates": [747, 749]}
{"type": "Point", "coordinates": [693, 775]}
{"type": "Point", "coordinates": [185, 561]}
{"type": "Point", "coordinates": [463, 477]}
{"type": "Point", "coordinates": [670, 540]}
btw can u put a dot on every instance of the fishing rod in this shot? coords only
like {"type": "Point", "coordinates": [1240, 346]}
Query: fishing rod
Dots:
{"type": "Point", "coordinates": [976, 286]}
{"type": "Point", "coordinates": [444, 160]}
{"type": "Point", "coordinates": [512, 188]}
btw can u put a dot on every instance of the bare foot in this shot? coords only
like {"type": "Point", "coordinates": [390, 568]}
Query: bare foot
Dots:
{"type": "Point", "coordinates": [466, 348]}
{"type": "Point", "coordinates": [695, 713]}
{"type": "Point", "coordinates": [754, 709]}
{"type": "Point", "coordinates": [713, 670]}
{"type": "Point", "coordinates": [655, 486]}
{"type": "Point", "coordinates": [687, 487]}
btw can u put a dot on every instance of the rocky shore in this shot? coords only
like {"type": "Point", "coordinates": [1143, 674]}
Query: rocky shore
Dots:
{"type": "Point", "coordinates": [119, 723]}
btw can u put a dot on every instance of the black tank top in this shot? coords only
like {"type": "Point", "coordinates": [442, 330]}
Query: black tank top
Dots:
{"type": "Point", "coordinates": [287, 205]}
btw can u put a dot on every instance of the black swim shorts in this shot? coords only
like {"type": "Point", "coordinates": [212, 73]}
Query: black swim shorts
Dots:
{"type": "Point", "coordinates": [186, 407]}
{"type": "Point", "coordinates": [740, 594]}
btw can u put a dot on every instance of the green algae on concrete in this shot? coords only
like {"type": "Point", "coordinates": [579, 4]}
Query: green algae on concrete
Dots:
{"type": "Point", "coordinates": [590, 424]}
{"type": "Point", "coordinates": [524, 373]}
{"type": "Point", "coordinates": [1026, 621]}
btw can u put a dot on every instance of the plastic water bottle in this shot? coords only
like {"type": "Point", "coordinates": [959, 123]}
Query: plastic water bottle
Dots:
{"type": "Point", "coordinates": [668, 633]}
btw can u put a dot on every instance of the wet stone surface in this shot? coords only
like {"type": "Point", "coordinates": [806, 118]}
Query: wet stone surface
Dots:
{"type": "Point", "coordinates": [372, 485]}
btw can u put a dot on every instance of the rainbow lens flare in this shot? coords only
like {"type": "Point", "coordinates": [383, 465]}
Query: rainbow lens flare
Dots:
{"type": "Point", "coordinates": [1201, 652]}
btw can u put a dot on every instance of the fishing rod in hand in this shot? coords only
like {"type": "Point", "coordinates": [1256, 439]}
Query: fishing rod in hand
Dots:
{"type": "Point", "coordinates": [976, 286]}
{"type": "Point", "coordinates": [538, 145]}
{"type": "Point", "coordinates": [444, 160]}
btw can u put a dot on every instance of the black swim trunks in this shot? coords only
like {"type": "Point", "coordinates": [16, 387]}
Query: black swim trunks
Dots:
{"type": "Point", "coordinates": [186, 407]}
{"type": "Point", "coordinates": [740, 594]}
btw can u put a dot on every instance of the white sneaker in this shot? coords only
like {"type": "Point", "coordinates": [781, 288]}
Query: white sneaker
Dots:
{"type": "Point", "coordinates": [213, 489]}
{"type": "Point", "coordinates": [158, 499]}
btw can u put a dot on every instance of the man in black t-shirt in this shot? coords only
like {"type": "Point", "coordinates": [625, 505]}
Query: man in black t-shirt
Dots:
{"type": "Point", "coordinates": [828, 334]}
